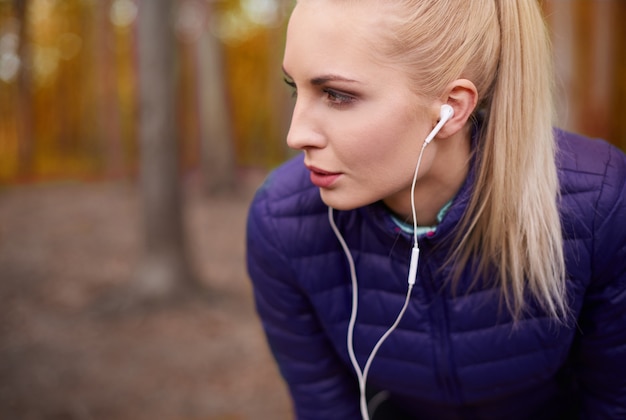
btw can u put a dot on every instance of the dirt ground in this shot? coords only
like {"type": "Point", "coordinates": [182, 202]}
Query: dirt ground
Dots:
{"type": "Point", "coordinates": [63, 246]}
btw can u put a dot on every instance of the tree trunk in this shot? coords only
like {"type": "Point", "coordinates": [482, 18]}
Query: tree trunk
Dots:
{"type": "Point", "coordinates": [164, 272]}
{"type": "Point", "coordinates": [216, 142]}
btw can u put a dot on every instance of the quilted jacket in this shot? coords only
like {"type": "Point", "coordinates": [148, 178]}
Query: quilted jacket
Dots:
{"type": "Point", "coordinates": [456, 353]}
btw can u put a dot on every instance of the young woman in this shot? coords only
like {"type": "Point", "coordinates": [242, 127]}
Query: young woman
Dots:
{"type": "Point", "coordinates": [438, 250]}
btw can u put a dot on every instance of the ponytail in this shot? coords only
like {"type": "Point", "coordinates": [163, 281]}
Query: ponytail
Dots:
{"type": "Point", "coordinates": [513, 221]}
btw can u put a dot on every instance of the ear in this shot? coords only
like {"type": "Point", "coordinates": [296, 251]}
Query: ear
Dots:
{"type": "Point", "coordinates": [461, 95]}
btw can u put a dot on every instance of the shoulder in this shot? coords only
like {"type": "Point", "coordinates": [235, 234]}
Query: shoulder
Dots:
{"type": "Point", "coordinates": [286, 212]}
{"type": "Point", "coordinates": [288, 192]}
{"type": "Point", "coordinates": [580, 158]}
{"type": "Point", "coordinates": [592, 174]}
{"type": "Point", "coordinates": [590, 169]}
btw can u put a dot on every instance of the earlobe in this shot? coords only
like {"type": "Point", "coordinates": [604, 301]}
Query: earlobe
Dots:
{"type": "Point", "coordinates": [462, 96]}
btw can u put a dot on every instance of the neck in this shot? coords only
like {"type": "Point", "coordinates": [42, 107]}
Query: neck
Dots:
{"type": "Point", "coordinates": [438, 181]}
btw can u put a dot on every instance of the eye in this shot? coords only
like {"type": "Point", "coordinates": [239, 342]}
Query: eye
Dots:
{"type": "Point", "coordinates": [337, 98]}
{"type": "Point", "coordinates": [292, 85]}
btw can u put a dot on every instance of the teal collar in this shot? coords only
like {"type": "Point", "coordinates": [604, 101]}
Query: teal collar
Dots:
{"type": "Point", "coordinates": [422, 230]}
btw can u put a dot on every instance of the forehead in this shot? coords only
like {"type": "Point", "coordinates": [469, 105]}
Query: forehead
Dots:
{"type": "Point", "coordinates": [337, 33]}
{"type": "Point", "coordinates": [353, 12]}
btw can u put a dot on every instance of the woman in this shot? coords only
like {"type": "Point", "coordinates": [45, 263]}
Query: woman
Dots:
{"type": "Point", "coordinates": [426, 131]}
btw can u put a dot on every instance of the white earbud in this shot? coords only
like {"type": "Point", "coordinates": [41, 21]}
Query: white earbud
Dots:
{"type": "Point", "coordinates": [445, 114]}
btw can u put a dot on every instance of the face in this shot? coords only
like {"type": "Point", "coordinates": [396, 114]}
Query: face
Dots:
{"type": "Point", "coordinates": [357, 118]}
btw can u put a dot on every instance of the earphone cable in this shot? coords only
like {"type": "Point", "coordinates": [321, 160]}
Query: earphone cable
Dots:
{"type": "Point", "coordinates": [362, 374]}
{"type": "Point", "coordinates": [413, 211]}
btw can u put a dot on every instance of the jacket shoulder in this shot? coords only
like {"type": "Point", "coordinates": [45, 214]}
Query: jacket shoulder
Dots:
{"type": "Point", "coordinates": [584, 155]}
{"type": "Point", "coordinates": [288, 192]}
{"type": "Point", "coordinates": [592, 169]}
{"type": "Point", "coordinates": [592, 174]}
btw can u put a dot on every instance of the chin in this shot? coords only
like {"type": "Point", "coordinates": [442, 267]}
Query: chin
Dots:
{"type": "Point", "coordinates": [342, 201]}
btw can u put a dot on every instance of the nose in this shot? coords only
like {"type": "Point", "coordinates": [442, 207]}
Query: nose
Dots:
{"type": "Point", "coordinates": [305, 129]}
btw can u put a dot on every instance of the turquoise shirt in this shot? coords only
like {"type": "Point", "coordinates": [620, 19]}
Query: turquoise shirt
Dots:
{"type": "Point", "coordinates": [422, 230]}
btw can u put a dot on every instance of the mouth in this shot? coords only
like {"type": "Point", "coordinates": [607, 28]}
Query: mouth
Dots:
{"type": "Point", "coordinates": [322, 178]}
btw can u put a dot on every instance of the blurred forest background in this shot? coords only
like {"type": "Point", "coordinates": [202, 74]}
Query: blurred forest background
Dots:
{"type": "Point", "coordinates": [69, 84]}
{"type": "Point", "coordinates": [69, 77]}
{"type": "Point", "coordinates": [132, 135]}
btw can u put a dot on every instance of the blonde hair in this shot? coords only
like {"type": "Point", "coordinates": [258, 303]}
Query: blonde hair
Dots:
{"type": "Point", "coordinates": [512, 221]}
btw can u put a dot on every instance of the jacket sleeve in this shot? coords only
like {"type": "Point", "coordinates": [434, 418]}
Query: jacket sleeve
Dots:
{"type": "Point", "coordinates": [602, 351]}
{"type": "Point", "coordinates": [321, 386]}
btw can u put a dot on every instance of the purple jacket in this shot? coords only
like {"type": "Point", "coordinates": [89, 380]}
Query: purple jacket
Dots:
{"type": "Point", "coordinates": [454, 355]}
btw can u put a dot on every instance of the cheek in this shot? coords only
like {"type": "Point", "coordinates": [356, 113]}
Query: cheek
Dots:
{"type": "Point", "coordinates": [387, 144]}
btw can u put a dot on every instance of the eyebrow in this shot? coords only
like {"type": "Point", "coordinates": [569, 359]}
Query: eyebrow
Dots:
{"type": "Point", "coordinates": [320, 80]}
{"type": "Point", "coordinates": [317, 81]}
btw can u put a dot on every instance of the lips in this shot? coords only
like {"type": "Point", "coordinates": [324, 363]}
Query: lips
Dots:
{"type": "Point", "coordinates": [322, 178]}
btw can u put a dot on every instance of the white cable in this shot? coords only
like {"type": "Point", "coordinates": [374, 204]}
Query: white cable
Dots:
{"type": "Point", "coordinates": [362, 375]}
{"type": "Point", "coordinates": [445, 114]}
{"type": "Point", "coordinates": [355, 300]}
{"type": "Point", "coordinates": [370, 359]}
{"type": "Point", "coordinates": [413, 211]}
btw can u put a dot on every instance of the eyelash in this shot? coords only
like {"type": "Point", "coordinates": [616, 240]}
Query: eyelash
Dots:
{"type": "Point", "coordinates": [335, 99]}
{"type": "Point", "coordinates": [292, 85]}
